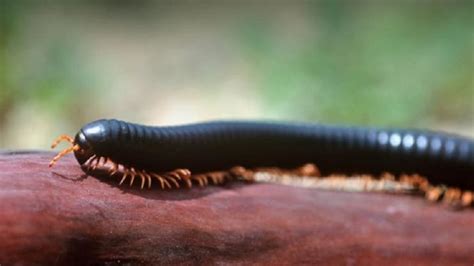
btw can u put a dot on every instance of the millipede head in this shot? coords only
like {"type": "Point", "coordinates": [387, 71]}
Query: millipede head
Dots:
{"type": "Point", "coordinates": [87, 142]}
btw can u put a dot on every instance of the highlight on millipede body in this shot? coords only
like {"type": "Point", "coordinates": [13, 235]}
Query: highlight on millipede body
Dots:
{"type": "Point", "coordinates": [74, 147]}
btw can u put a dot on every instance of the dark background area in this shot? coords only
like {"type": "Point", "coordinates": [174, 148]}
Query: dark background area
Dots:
{"type": "Point", "coordinates": [383, 63]}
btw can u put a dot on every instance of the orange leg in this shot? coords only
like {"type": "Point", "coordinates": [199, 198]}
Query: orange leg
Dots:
{"type": "Point", "coordinates": [188, 182]}
{"type": "Point", "coordinates": [142, 177]}
{"type": "Point", "coordinates": [90, 159]}
{"type": "Point", "coordinates": [134, 174]}
{"type": "Point", "coordinates": [148, 177]}
{"type": "Point", "coordinates": [184, 174]}
{"type": "Point", "coordinates": [174, 175]}
{"type": "Point", "coordinates": [62, 138]}
{"type": "Point", "coordinates": [205, 180]}
{"type": "Point", "coordinates": [308, 169]}
{"type": "Point", "coordinates": [88, 164]}
{"type": "Point", "coordinates": [104, 163]}
{"type": "Point", "coordinates": [167, 180]}
{"type": "Point", "coordinates": [166, 183]}
{"type": "Point", "coordinates": [172, 179]}
{"type": "Point", "coordinates": [62, 153]}
{"type": "Point", "coordinates": [96, 163]}
{"type": "Point", "coordinates": [113, 169]}
{"type": "Point", "coordinates": [214, 179]}
{"type": "Point", "coordinates": [126, 172]}
{"type": "Point", "coordinates": [159, 179]}
{"type": "Point", "coordinates": [467, 198]}
{"type": "Point", "coordinates": [199, 179]}
{"type": "Point", "coordinates": [220, 177]}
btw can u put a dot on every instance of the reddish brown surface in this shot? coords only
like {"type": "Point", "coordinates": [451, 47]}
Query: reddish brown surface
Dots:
{"type": "Point", "coordinates": [54, 215]}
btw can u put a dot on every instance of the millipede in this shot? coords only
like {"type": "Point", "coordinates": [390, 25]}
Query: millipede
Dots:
{"type": "Point", "coordinates": [217, 151]}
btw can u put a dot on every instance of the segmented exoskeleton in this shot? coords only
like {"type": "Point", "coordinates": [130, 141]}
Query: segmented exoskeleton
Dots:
{"type": "Point", "coordinates": [170, 154]}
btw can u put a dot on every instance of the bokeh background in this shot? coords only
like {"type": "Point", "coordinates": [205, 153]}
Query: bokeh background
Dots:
{"type": "Point", "coordinates": [383, 63]}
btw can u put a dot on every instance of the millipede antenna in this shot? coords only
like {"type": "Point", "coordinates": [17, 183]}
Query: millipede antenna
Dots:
{"type": "Point", "coordinates": [74, 147]}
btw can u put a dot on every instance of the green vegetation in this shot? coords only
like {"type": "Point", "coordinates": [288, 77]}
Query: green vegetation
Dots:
{"type": "Point", "coordinates": [371, 64]}
{"type": "Point", "coordinates": [378, 63]}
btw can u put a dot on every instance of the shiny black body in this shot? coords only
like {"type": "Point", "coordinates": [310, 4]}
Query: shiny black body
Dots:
{"type": "Point", "coordinates": [220, 145]}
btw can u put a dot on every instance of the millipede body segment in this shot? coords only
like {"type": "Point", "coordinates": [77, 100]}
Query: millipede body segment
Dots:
{"type": "Point", "coordinates": [171, 153]}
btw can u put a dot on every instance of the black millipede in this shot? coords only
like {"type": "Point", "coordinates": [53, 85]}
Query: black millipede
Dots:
{"type": "Point", "coordinates": [171, 153]}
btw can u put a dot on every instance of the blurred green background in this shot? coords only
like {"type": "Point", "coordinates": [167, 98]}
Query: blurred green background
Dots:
{"type": "Point", "coordinates": [384, 63]}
